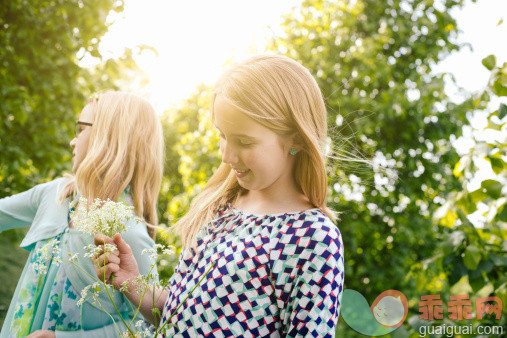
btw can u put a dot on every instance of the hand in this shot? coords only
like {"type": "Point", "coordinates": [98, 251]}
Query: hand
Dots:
{"type": "Point", "coordinates": [121, 262]}
{"type": "Point", "coordinates": [42, 334]}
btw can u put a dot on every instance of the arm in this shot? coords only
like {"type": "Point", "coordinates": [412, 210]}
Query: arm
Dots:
{"type": "Point", "coordinates": [19, 210]}
{"type": "Point", "coordinates": [308, 280]}
{"type": "Point", "coordinates": [123, 265]}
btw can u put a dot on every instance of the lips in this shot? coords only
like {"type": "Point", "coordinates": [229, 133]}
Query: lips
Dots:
{"type": "Point", "coordinates": [241, 173]}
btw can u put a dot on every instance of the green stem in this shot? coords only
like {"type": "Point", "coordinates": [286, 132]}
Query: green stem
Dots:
{"type": "Point", "coordinates": [112, 318]}
{"type": "Point", "coordinates": [95, 278]}
{"type": "Point", "coordinates": [141, 300]}
{"type": "Point", "coordinates": [106, 287]}
{"type": "Point", "coordinates": [185, 300]}
{"type": "Point", "coordinates": [112, 302]}
{"type": "Point", "coordinates": [109, 295]}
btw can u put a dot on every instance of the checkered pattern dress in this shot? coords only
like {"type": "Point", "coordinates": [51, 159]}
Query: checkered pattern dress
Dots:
{"type": "Point", "coordinates": [278, 275]}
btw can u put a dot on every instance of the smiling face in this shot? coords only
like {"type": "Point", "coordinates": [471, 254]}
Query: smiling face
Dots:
{"type": "Point", "coordinates": [79, 144]}
{"type": "Point", "coordinates": [389, 311]}
{"type": "Point", "coordinates": [258, 156]}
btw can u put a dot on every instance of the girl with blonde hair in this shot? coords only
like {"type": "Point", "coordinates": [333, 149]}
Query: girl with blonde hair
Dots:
{"type": "Point", "coordinates": [262, 217]}
{"type": "Point", "coordinates": [117, 155]}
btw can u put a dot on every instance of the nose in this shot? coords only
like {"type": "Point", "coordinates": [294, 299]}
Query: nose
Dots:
{"type": "Point", "coordinates": [73, 142]}
{"type": "Point", "coordinates": [229, 155]}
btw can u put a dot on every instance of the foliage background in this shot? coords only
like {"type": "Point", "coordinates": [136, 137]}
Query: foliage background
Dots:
{"type": "Point", "coordinates": [404, 223]}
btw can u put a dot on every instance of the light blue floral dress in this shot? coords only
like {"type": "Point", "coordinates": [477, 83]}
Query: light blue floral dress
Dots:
{"type": "Point", "coordinates": [33, 286]}
{"type": "Point", "coordinates": [49, 301]}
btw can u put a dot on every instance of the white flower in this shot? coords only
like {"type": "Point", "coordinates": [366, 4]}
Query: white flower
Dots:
{"type": "Point", "coordinates": [72, 257]}
{"type": "Point", "coordinates": [105, 217]}
{"type": "Point", "coordinates": [153, 251]}
{"type": "Point", "coordinates": [125, 286]}
{"type": "Point", "coordinates": [80, 302]}
{"type": "Point", "coordinates": [168, 251]}
{"type": "Point", "coordinates": [109, 247]}
{"type": "Point", "coordinates": [92, 250]}
{"type": "Point", "coordinates": [84, 292]}
{"type": "Point", "coordinates": [48, 251]}
{"type": "Point", "coordinates": [140, 283]}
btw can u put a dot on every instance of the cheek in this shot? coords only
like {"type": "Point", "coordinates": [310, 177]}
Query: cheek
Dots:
{"type": "Point", "coordinates": [82, 146]}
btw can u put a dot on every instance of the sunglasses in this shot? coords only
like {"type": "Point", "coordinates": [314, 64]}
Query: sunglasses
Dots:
{"type": "Point", "coordinates": [78, 127]}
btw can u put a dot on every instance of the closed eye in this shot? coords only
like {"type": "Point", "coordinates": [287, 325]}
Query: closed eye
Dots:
{"type": "Point", "coordinates": [245, 143]}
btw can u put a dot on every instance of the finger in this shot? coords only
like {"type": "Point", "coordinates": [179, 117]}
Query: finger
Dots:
{"type": "Point", "coordinates": [105, 272]}
{"type": "Point", "coordinates": [106, 258]}
{"type": "Point", "coordinates": [102, 273]}
{"type": "Point", "coordinates": [101, 239]}
{"type": "Point", "coordinates": [123, 247]}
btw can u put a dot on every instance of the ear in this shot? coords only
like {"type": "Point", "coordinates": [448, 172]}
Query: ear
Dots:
{"type": "Point", "coordinates": [296, 142]}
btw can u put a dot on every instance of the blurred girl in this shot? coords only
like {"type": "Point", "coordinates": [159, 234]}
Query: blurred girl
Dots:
{"type": "Point", "coordinates": [262, 217]}
{"type": "Point", "coordinates": [117, 154]}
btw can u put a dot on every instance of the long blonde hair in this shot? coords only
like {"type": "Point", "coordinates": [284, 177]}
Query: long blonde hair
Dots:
{"type": "Point", "coordinates": [283, 96]}
{"type": "Point", "coordinates": [126, 147]}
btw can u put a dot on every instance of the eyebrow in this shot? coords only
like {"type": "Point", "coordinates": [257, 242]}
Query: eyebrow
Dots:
{"type": "Point", "coordinates": [238, 135]}
{"type": "Point", "coordinates": [244, 136]}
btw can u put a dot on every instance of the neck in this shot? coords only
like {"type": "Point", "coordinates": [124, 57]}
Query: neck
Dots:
{"type": "Point", "coordinates": [289, 199]}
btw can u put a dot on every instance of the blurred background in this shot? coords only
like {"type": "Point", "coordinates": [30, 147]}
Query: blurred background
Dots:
{"type": "Point", "coordinates": [418, 86]}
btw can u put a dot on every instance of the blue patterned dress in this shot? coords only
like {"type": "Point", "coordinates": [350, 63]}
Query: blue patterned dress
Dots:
{"type": "Point", "coordinates": [275, 275]}
{"type": "Point", "coordinates": [41, 297]}
{"type": "Point", "coordinates": [48, 301]}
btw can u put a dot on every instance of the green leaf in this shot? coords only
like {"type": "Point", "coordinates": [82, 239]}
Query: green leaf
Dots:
{"type": "Point", "coordinates": [502, 215]}
{"type": "Point", "coordinates": [484, 266]}
{"type": "Point", "coordinates": [458, 270]}
{"type": "Point", "coordinates": [472, 257]}
{"type": "Point", "coordinates": [499, 88]}
{"type": "Point", "coordinates": [496, 164]}
{"type": "Point", "coordinates": [489, 62]}
{"type": "Point", "coordinates": [498, 260]}
{"type": "Point", "coordinates": [478, 195]}
{"type": "Point", "coordinates": [502, 111]}
{"type": "Point", "coordinates": [477, 283]}
{"type": "Point", "coordinates": [492, 188]}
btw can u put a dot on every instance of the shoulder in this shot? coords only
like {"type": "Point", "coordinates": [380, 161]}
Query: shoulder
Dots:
{"type": "Point", "coordinates": [309, 234]}
{"type": "Point", "coordinates": [55, 185]}
{"type": "Point", "coordinates": [310, 223]}
{"type": "Point", "coordinates": [45, 192]}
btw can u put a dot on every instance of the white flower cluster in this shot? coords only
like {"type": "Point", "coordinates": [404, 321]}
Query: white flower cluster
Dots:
{"type": "Point", "coordinates": [156, 248]}
{"type": "Point", "coordinates": [49, 251]}
{"type": "Point", "coordinates": [138, 333]}
{"type": "Point", "coordinates": [140, 283]}
{"type": "Point", "coordinates": [95, 288]}
{"type": "Point", "coordinates": [102, 217]}
{"type": "Point", "coordinates": [93, 250]}
{"type": "Point", "coordinates": [124, 288]}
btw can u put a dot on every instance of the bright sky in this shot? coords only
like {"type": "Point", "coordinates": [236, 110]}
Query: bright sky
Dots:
{"type": "Point", "coordinates": [195, 38]}
{"type": "Point", "coordinates": [479, 25]}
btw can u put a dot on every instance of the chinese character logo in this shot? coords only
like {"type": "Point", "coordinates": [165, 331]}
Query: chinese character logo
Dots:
{"type": "Point", "coordinates": [483, 308]}
{"type": "Point", "coordinates": [459, 307]}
